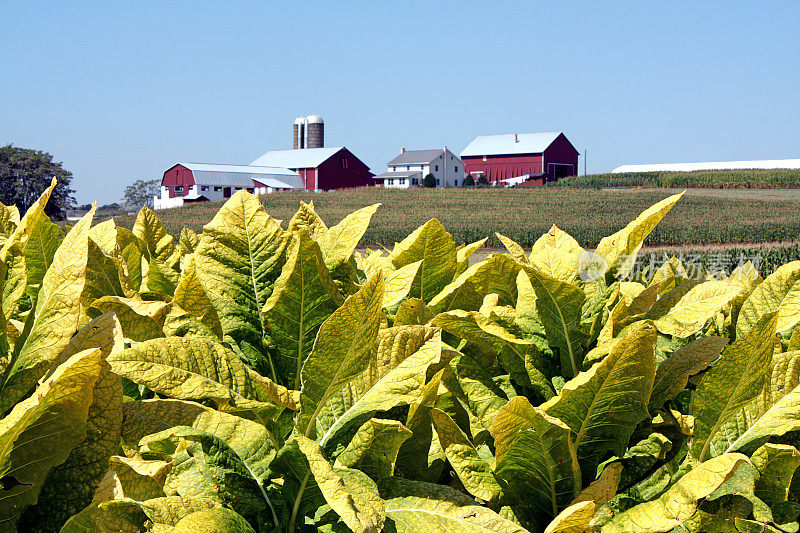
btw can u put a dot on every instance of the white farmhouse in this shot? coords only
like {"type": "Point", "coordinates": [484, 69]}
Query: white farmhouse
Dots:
{"type": "Point", "coordinates": [410, 167]}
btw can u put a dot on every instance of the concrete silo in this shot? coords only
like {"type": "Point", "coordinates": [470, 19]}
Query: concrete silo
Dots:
{"type": "Point", "coordinates": [298, 133]}
{"type": "Point", "coordinates": [315, 132]}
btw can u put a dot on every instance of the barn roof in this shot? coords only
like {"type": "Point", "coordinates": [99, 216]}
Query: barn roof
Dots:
{"type": "Point", "coordinates": [244, 175]}
{"type": "Point", "coordinates": [302, 158]}
{"type": "Point", "coordinates": [510, 143]}
{"type": "Point", "coordinates": [416, 157]}
{"type": "Point", "coordinates": [716, 165]}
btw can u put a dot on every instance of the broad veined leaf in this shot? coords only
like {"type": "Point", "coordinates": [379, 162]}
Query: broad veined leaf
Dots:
{"type": "Point", "coordinates": [303, 298]}
{"type": "Point", "coordinates": [23, 230]}
{"type": "Point", "coordinates": [132, 257]}
{"type": "Point", "coordinates": [495, 275]}
{"type": "Point", "coordinates": [374, 261]}
{"type": "Point", "coordinates": [603, 405]}
{"type": "Point", "coordinates": [163, 276]}
{"type": "Point", "coordinates": [341, 351]}
{"type": "Point", "coordinates": [776, 463]}
{"type": "Point", "coordinates": [559, 239]}
{"type": "Point", "coordinates": [56, 315]}
{"type": "Point", "coordinates": [15, 282]}
{"type": "Point", "coordinates": [514, 249]}
{"type": "Point", "coordinates": [52, 419]}
{"type": "Point", "coordinates": [536, 460]}
{"type": "Point", "coordinates": [104, 277]}
{"type": "Point", "coordinates": [9, 218]}
{"type": "Point", "coordinates": [697, 307]}
{"type": "Point", "coordinates": [188, 242]}
{"type": "Point", "coordinates": [166, 512]}
{"type": "Point", "coordinates": [399, 284]}
{"type": "Point", "coordinates": [134, 479]}
{"type": "Point", "coordinates": [475, 474]}
{"type": "Point", "coordinates": [196, 368]}
{"type": "Point", "coordinates": [421, 456]}
{"type": "Point", "coordinates": [604, 488]}
{"type": "Point", "coordinates": [573, 519]}
{"type": "Point", "coordinates": [192, 298]}
{"type": "Point", "coordinates": [464, 252]}
{"type": "Point", "coordinates": [735, 379]}
{"type": "Point", "coordinates": [414, 506]}
{"type": "Point", "coordinates": [119, 516]}
{"type": "Point", "coordinates": [217, 520]}
{"type": "Point", "coordinates": [674, 373]}
{"type": "Point", "coordinates": [779, 292]}
{"type": "Point", "coordinates": [141, 321]}
{"type": "Point", "coordinates": [360, 508]}
{"type": "Point", "coordinates": [434, 246]}
{"type": "Point", "coordinates": [307, 218]}
{"type": "Point", "coordinates": [413, 312]}
{"type": "Point", "coordinates": [557, 254]}
{"type": "Point", "coordinates": [559, 305]}
{"type": "Point", "coordinates": [480, 393]}
{"type": "Point", "coordinates": [620, 249]}
{"type": "Point", "coordinates": [70, 486]}
{"type": "Point", "coordinates": [240, 255]}
{"type": "Point", "coordinates": [157, 243]}
{"type": "Point", "coordinates": [205, 466]}
{"type": "Point", "coordinates": [373, 449]}
{"type": "Point", "coordinates": [104, 235]}
{"type": "Point", "coordinates": [680, 502]}
{"type": "Point", "coordinates": [772, 413]}
{"type": "Point", "coordinates": [394, 376]}
{"type": "Point", "coordinates": [340, 241]}
{"type": "Point", "coordinates": [42, 244]}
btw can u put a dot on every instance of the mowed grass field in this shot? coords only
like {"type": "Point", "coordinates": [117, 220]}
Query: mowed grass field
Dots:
{"type": "Point", "coordinates": [703, 216]}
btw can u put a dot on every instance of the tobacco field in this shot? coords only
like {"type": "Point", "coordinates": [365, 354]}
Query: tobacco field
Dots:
{"type": "Point", "coordinates": [264, 376]}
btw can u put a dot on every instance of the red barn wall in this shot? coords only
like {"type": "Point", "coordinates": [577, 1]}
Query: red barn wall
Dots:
{"type": "Point", "coordinates": [177, 175]}
{"type": "Point", "coordinates": [562, 152]}
{"type": "Point", "coordinates": [309, 176]}
{"type": "Point", "coordinates": [500, 167]}
{"type": "Point", "coordinates": [341, 171]}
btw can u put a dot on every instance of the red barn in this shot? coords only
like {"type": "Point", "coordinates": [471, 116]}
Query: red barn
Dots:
{"type": "Point", "coordinates": [321, 168]}
{"type": "Point", "coordinates": [522, 158]}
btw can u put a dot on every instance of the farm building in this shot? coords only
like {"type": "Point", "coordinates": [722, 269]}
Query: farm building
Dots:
{"type": "Point", "coordinates": [199, 182]}
{"type": "Point", "coordinates": [411, 166]}
{"type": "Point", "coordinates": [717, 165]}
{"type": "Point", "coordinates": [521, 158]}
{"type": "Point", "coordinates": [321, 168]}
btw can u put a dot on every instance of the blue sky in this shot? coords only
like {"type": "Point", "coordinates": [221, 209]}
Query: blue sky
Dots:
{"type": "Point", "coordinates": [122, 90]}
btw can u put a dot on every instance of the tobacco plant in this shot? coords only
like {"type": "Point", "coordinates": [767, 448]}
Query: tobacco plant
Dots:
{"type": "Point", "coordinates": [266, 376]}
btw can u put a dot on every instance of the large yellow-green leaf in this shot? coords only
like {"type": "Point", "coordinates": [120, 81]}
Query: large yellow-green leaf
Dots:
{"type": "Point", "coordinates": [157, 242]}
{"type": "Point", "coordinates": [9, 218]}
{"type": "Point", "coordinates": [240, 255]}
{"type": "Point", "coordinates": [620, 249]}
{"type": "Point", "coordinates": [205, 466]}
{"type": "Point", "coordinates": [103, 276]}
{"type": "Point", "coordinates": [117, 516]}
{"type": "Point", "coordinates": [15, 282]}
{"type": "Point", "coordinates": [188, 242]}
{"type": "Point", "coordinates": [52, 419]}
{"type": "Point", "coordinates": [464, 252]}
{"type": "Point", "coordinates": [475, 474]}
{"type": "Point", "coordinates": [556, 254]}
{"type": "Point", "coordinates": [399, 284]}
{"type": "Point", "coordinates": [573, 519]}
{"type": "Point", "coordinates": [23, 230]}
{"type": "Point", "coordinates": [514, 249]}
{"type": "Point", "coordinates": [536, 460]}
{"type": "Point", "coordinates": [192, 298]}
{"type": "Point", "coordinates": [196, 368]}
{"type": "Point", "coordinates": [421, 456]}
{"type": "Point", "coordinates": [478, 389]}
{"type": "Point", "coordinates": [772, 413]}
{"type": "Point", "coordinates": [415, 506]}
{"type": "Point", "coordinates": [413, 312]}
{"type": "Point", "coordinates": [360, 508]}
{"type": "Point", "coordinates": [141, 320]}
{"type": "Point", "coordinates": [340, 241]}
{"type": "Point", "coordinates": [603, 405]}
{"type": "Point", "coordinates": [55, 317]}
{"type": "Point", "coordinates": [680, 502]}
{"type": "Point", "coordinates": [342, 350]}
{"type": "Point", "coordinates": [250, 440]}
{"type": "Point", "coordinates": [697, 307]}
{"type": "Point", "coordinates": [495, 275]}
{"type": "Point", "coordinates": [307, 218]}
{"type": "Point", "coordinates": [779, 292]}
{"type": "Point", "coordinates": [104, 235]}
{"type": "Point", "coordinates": [736, 378]}
{"type": "Point", "coordinates": [135, 479]}
{"type": "Point", "coordinates": [303, 298]}
{"type": "Point", "coordinates": [434, 246]}
{"type": "Point", "coordinates": [394, 375]}
{"type": "Point", "coordinates": [70, 486]}
{"type": "Point", "coordinates": [373, 449]}
{"type": "Point", "coordinates": [559, 305]}
{"type": "Point", "coordinates": [131, 252]}
{"type": "Point", "coordinates": [40, 249]}
{"type": "Point", "coordinates": [218, 520]}
{"type": "Point", "coordinates": [674, 373]}
{"type": "Point", "coordinates": [776, 463]}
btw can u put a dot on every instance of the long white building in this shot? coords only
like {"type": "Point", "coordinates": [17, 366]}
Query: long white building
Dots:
{"type": "Point", "coordinates": [410, 167]}
{"type": "Point", "coordinates": [716, 165]}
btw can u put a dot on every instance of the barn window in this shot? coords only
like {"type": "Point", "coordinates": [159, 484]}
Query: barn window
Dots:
{"type": "Point", "coordinates": [456, 168]}
{"type": "Point", "coordinates": [436, 167]}
{"type": "Point", "coordinates": [456, 183]}
{"type": "Point", "coordinates": [217, 189]}
{"type": "Point", "coordinates": [179, 190]}
{"type": "Point", "coordinates": [414, 181]}
{"type": "Point", "coordinates": [250, 189]}
{"type": "Point", "coordinates": [437, 183]}
{"type": "Point", "coordinates": [204, 187]}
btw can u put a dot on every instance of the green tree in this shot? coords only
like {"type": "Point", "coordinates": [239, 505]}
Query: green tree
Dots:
{"type": "Point", "coordinates": [140, 193]}
{"type": "Point", "coordinates": [25, 173]}
{"type": "Point", "coordinates": [482, 181]}
{"type": "Point", "coordinates": [429, 181]}
{"type": "Point", "coordinates": [469, 181]}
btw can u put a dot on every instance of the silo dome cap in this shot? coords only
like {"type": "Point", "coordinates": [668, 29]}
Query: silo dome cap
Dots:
{"type": "Point", "coordinates": [299, 120]}
{"type": "Point", "coordinates": [314, 119]}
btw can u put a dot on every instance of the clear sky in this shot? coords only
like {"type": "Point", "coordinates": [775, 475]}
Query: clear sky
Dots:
{"type": "Point", "coordinates": [122, 90]}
